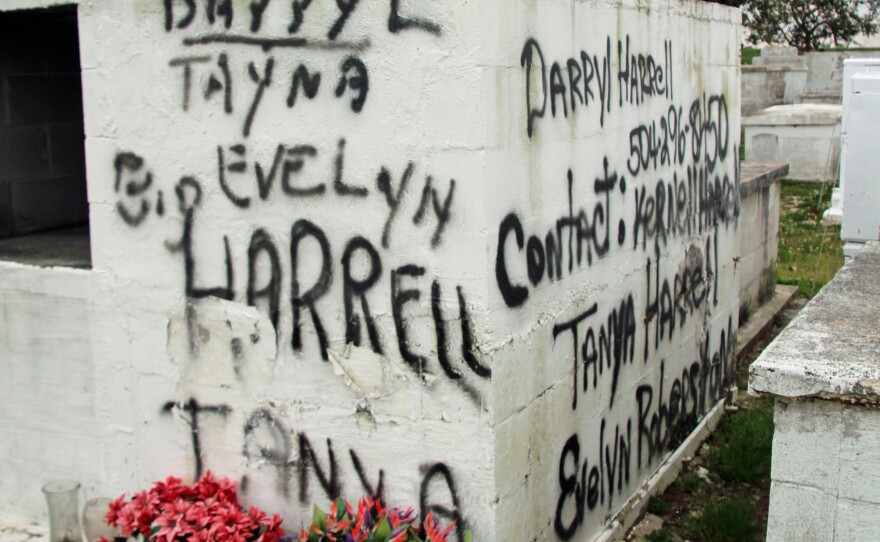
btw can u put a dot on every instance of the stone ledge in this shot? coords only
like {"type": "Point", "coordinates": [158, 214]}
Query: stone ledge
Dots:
{"type": "Point", "coordinates": [805, 114]}
{"type": "Point", "coordinates": [760, 68]}
{"type": "Point", "coordinates": [832, 348]}
{"type": "Point", "coordinates": [762, 319]}
{"type": "Point", "coordinates": [759, 175]}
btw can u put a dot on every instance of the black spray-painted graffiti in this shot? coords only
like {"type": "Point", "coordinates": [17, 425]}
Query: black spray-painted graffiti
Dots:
{"type": "Point", "coordinates": [588, 233]}
{"type": "Point", "coordinates": [584, 486]}
{"type": "Point", "coordinates": [606, 348]}
{"type": "Point", "coordinates": [220, 72]}
{"type": "Point", "coordinates": [243, 179]}
{"type": "Point", "coordinates": [666, 414]}
{"type": "Point", "coordinates": [586, 79]}
{"type": "Point", "coordinates": [670, 197]}
{"type": "Point", "coordinates": [182, 14]}
{"type": "Point", "coordinates": [131, 186]}
{"type": "Point", "coordinates": [269, 440]}
{"type": "Point", "coordinates": [194, 410]}
{"type": "Point", "coordinates": [608, 344]}
{"type": "Point", "coordinates": [359, 290]}
{"type": "Point", "coordinates": [247, 73]}
{"type": "Point", "coordinates": [352, 83]}
{"type": "Point", "coordinates": [583, 236]}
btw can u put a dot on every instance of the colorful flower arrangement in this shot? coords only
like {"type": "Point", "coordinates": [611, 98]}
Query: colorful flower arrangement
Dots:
{"type": "Point", "coordinates": [207, 511]}
{"type": "Point", "coordinates": [373, 522]}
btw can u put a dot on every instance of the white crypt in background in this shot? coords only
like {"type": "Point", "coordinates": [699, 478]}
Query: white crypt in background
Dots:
{"type": "Point", "coordinates": [856, 200]}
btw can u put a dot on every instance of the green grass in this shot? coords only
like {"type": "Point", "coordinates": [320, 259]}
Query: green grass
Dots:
{"type": "Point", "coordinates": [748, 53]}
{"type": "Point", "coordinates": [742, 446]}
{"type": "Point", "coordinates": [725, 520]}
{"type": "Point", "coordinates": [658, 507]}
{"type": "Point", "coordinates": [810, 254]}
{"type": "Point", "coordinates": [660, 535]}
{"type": "Point", "coordinates": [688, 482]}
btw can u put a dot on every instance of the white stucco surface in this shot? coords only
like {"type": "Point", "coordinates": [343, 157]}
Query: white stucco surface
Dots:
{"type": "Point", "coordinates": [824, 472]}
{"type": "Point", "coordinates": [830, 348]}
{"type": "Point", "coordinates": [823, 371]}
{"type": "Point", "coordinates": [396, 278]}
{"type": "Point", "coordinates": [759, 208]}
{"type": "Point", "coordinates": [807, 136]}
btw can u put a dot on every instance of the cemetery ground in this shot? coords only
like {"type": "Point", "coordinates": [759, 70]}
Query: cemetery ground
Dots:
{"type": "Point", "coordinates": [722, 493]}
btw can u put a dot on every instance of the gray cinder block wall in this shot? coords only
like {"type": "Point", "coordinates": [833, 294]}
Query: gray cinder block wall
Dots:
{"type": "Point", "coordinates": [42, 164]}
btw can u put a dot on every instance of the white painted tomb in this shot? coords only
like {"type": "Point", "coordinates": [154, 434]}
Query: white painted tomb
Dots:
{"type": "Point", "coordinates": [807, 136]}
{"type": "Point", "coordinates": [477, 257]}
{"type": "Point", "coordinates": [824, 374]}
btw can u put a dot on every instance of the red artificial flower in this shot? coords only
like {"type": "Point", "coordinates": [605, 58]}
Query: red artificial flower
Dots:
{"type": "Point", "coordinates": [207, 511]}
{"type": "Point", "coordinates": [433, 532]}
{"type": "Point", "coordinates": [169, 528]}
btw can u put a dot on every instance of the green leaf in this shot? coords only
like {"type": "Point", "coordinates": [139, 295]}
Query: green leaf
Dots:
{"type": "Point", "coordinates": [383, 531]}
{"type": "Point", "coordinates": [319, 518]}
{"type": "Point", "coordinates": [342, 511]}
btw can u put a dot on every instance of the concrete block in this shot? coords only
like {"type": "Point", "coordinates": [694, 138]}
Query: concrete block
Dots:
{"type": "Point", "coordinates": [763, 147]}
{"type": "Point", "coordinates": [6, 217]}
{"type": "Point", "coordinates": [67, 98]}
{"type": "Point", "coordinates": [24, 153]}
{"type": "Point", "coordinates": [805, 135]}
{"type": "Point", "coordinates": [749, 211]}
{"type": "Point", "coordinates": [514, 519]}
{"type": "Point", "coordinates": [805, 431]}
{"type": "Point", "coordinates": [830, 347]}
{"type": "Point", "coordinates": [67, 144]}
{"type": "Point", "coordinates": [61, 37]}
{"type": "Point", "coordinates": [856, 521]}
{"type": "Point", "coordinates": [30, 99]}
{"type": "Point", "coordinates": [777, 54]}
{"type": "Point", "coordinates": [745, 272]}
{"type": "Point", "coordinates": [860, 456]}
{"type": "Point", "coordinates": [21, 48]}
{"type": "Point", "coordinates": [44, 204]}
{"type": "Point", "coordinates": [800, 513]}
{"type": "Point", "coordinates": [512, 452]}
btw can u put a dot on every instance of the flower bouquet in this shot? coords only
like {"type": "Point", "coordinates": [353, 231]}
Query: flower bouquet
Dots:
{"type": "Point", "coordinates": [373, 522]}
{"type": "Point", "coordinates": [207, 511]}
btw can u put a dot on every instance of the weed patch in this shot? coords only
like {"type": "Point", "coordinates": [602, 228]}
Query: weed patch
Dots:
{"type": "Point", "coordinates": [688, 482]}
{"type": "Point", "coordinates": [658, 507]}
{"type": "Point", "coordinates": [749, 53]}
{"type": "Point", "coordinates": [742, 446]}
{"type": "Point", "coordinates": [660, 535]}
{"type": "Point", "coordinates": [727, 520]}
{"type": "Point", "coordinates": [810, 253]}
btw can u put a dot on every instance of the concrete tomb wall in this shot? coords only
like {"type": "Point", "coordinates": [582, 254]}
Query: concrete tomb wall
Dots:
{"type": "Point", "coordinates": [781, 76]}
{"type": "Point", "coordinates": [474, 256]}
{"type": "Point", "coordinates": [807, 136]}
{"type": "Point", "coordinates": [759, 213]}
{"type": "Point", "coordinates": [822, 370]}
